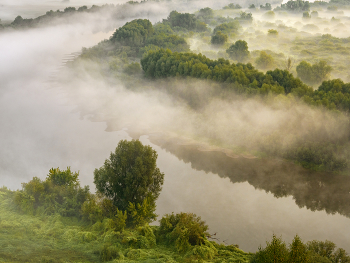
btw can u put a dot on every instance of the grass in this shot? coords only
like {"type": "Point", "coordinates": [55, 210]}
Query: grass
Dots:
{"type": "Point", "coordinates": [57, 239]}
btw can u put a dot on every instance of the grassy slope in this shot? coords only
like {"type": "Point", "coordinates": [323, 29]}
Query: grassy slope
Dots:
{"type": "Point", "coordinates": [28, 238]}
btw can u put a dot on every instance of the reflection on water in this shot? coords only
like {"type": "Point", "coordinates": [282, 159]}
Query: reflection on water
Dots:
{"type": "Point", "coordinates": [313, 190]}
{"type": "Point", "coordinates": [252, 198]}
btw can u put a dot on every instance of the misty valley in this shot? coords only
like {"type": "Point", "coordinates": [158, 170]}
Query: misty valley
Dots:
{"type": "Point", "coordinates": [175, 131]}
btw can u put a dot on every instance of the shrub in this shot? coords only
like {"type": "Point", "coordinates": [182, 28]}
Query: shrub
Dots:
{"type": "Point", "coordinates": [185, 230]}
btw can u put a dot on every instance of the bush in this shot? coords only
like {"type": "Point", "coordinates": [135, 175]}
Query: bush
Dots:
{"type": "Point", "coordinates": [108, 253]}
{"type": "Point", "coordinates": [185, 230]}
{"type": "Point", "coordinates": [59, 193]}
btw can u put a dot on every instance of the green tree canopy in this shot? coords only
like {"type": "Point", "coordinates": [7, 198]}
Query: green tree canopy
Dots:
{"type": "Point", "coordinates": [313, 74]}
{"type": "Point", "coordinates": [205, 14]}
{"type": "Point", "coordinates": [64, 177]}
{"type": "Point", "coordinates": [59, 193]}
{"type": "Point", "coordinates": [219, 38]}
{"type": "Point", "coordinates": [266, 7]}
{"type": "Point", "coordinates": [264, 61]}
{"type": "Point", "coordinates": [296, 6]}
{"type": "Point", "coordinates": [275, 252]}
{"type": "Point", "coordinates": [130, 175]}
{"type": "Point", "coordinates": [133, 33]}
{"type": "Point", "coordinates": [186, 20]}
{"type": "Point", "coordinates": [228, 28]}
{"type": "Point", "coordinates": [238, 50]}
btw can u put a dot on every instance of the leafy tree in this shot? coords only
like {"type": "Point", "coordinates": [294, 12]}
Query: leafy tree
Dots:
{"type": "Point", "coordinates": [321, 71]}
{"type": "Point", "coordinates": [186, 20]}
{"type": "Point", "coordinates": [326, 250]}
{"type": "Point", "coordinates": [82, 8]}
{"type": "Point", "coordinates": [238, 50]}
{"type": "Point", "coordinates": [266, 7]}
{"type": "Point", "coordinates": [172, 42]}
{"type": "Point", "coordinates": [306, 15]}
{"type": "Point", "coordinates": [245, 17]}
{"type": "Point", "coordinates": [313, 74]}
{"type": "Point", "coordinates": [134, 33]}
{"type": "Point", "coordinates": [130, 176]}
{"type": "Point", "coordinates": [251, 6]}
{"type": "Point", "coordinates": [219, 38]}
{"type": "Point", "coordinates": [264, 61]}
{"type": "Point", "coordinates": [230, 28]}
{"type": "Point", "coordinates": [18, 20]}
{"type": "Point", "coordinates": [65, 177]}
{"type": "Point", "coordinates": [205, 14]}
{"type": "Point", "coordinates": [69, 9]}
{"type": "Point", "coordinates": [275, 252]}
{"type": "Point", "coordinates": [296, 6]}
{"type": "Point", "coordinates": [232, 6]}
{"type": "Point", "coordinates": [160, 28]}
{"type": "Point", "coordinates": [298, 251]}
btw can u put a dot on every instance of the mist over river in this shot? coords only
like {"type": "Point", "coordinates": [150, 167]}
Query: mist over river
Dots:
{"type": "Point", "coordinates": [244, 201]}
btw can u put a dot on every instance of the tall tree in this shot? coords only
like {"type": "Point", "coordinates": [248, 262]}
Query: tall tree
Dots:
{"type": "Point", "coordinates": [238, 51]}
{"type": "Point", "coordinates": [130, 175]}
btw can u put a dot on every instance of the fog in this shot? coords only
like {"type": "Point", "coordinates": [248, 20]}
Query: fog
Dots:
{"type": "Point", "coordinates": [39, 130]}
{"type": "Point", "coordinates": [58, 116]}
{"type": "Point", "coordinates": [31, 64]}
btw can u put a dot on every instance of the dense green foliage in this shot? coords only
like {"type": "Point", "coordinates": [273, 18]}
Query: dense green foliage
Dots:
{"type": "Point", "coordinates": [313, 74]}
{"type": "Point", "coordinates": [267, 6]}
{"type": "Point", "coordinates": [238, 51]}
{"type": "Point", "coordinates": [205, 14]}
{"type": "Point", "coordinates": [133, 33]}
{"type": "Point", "coordinates": [244, 77]}
{"type": "Point", "coordinates": [179, 238]}
{"type": "Point", "coordinates": [54, 238]}
{"type": "Point", "coordinates": [136, 38]}
{"type": "Point", "coordinates": [185, 230]}
{"type": "Point", "coordinates": [50, 16]}
{"type": "Point", "coordinates": [186, 21]}
{"type": "Point", "coordinates": [276, 251]}
{"type": "Point", "coordinates": [131, 179]}
{"type": "Point", "coordinates": [219, 38]}
{"type": "Point", "coordinates": [229, 28]}
{"type": "Point", "coordinates": [232, 6]}
{"type": "Point", "coordinates": [60, 192]}
{"type": "Point", "coordinates": [296, 6]}
{"type": "Point", "coordinates": [264, 61]}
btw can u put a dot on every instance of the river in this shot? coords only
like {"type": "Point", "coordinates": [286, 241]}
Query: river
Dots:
{"type": "Point", "coordinates": [244, 201]}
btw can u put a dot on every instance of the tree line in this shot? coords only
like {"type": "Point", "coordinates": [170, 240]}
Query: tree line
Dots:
{"type": "Point", "coordinates": [244, 78]}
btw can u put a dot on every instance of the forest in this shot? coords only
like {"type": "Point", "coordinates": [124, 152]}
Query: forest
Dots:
{"type": "Point", "coordinates": [160, 51]}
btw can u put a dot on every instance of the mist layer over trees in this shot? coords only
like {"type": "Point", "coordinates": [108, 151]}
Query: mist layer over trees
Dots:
{"type": "Point", "coordinates": [260, 80]}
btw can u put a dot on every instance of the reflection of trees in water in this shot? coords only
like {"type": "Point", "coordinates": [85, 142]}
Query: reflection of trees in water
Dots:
{"type": "Point", "coordinates": [313, 190]}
